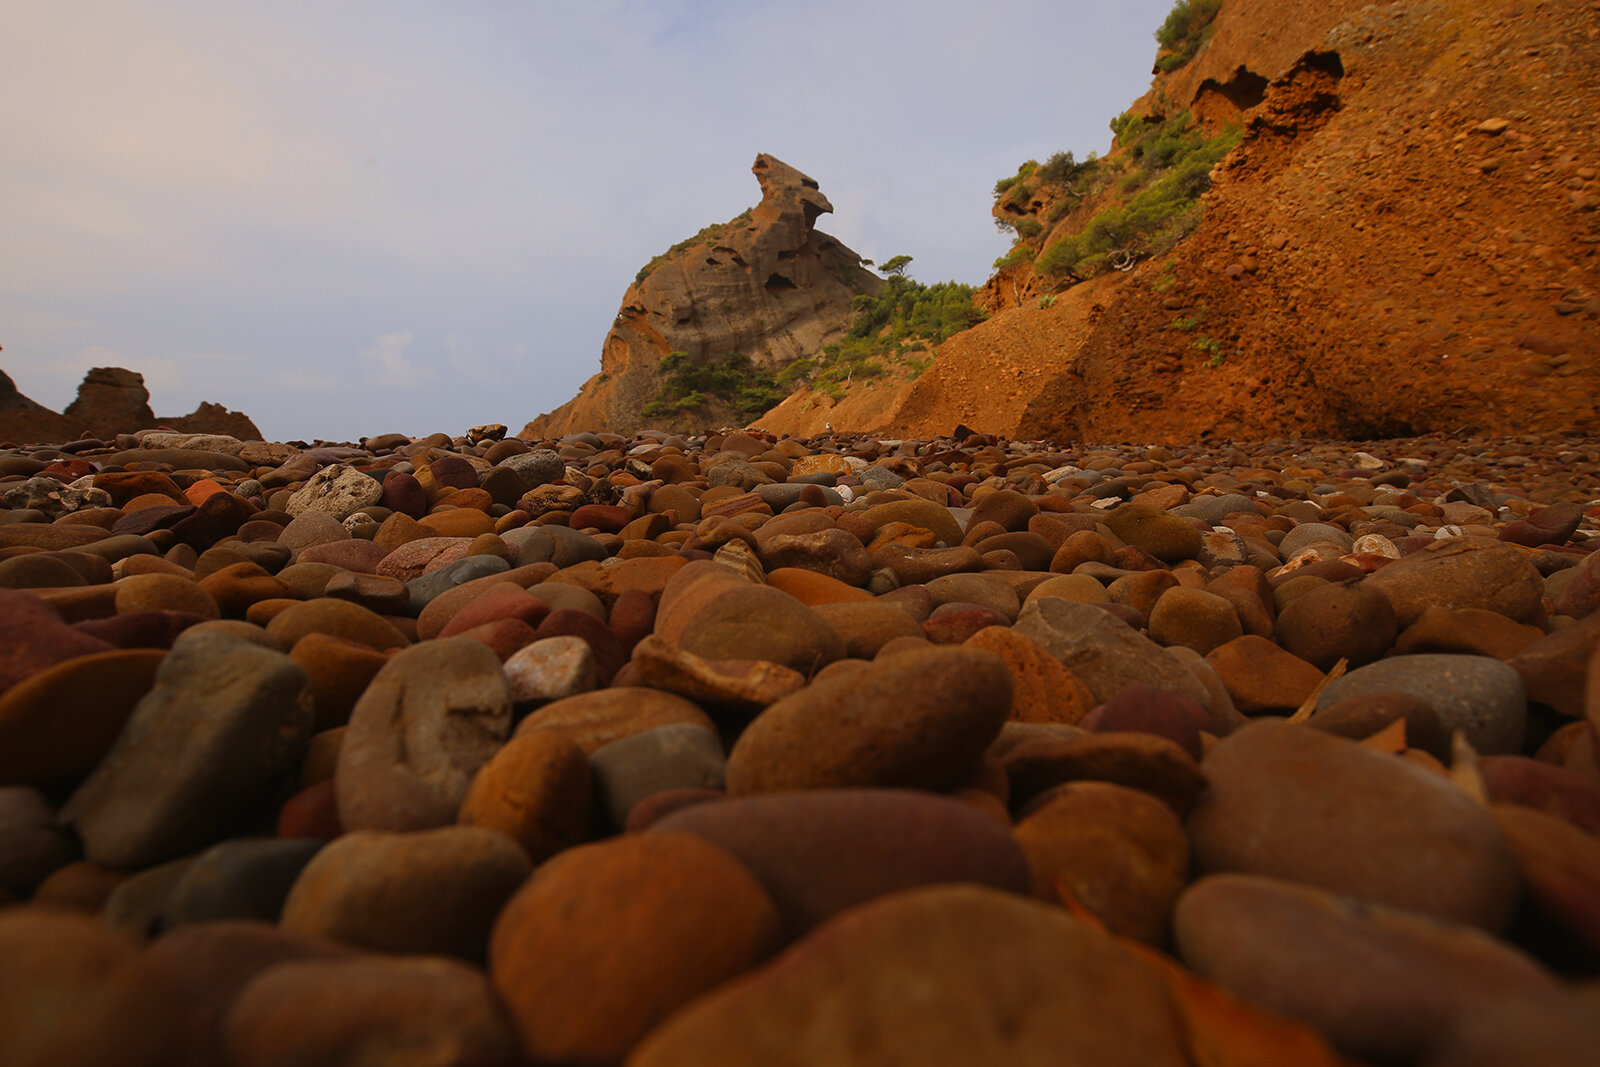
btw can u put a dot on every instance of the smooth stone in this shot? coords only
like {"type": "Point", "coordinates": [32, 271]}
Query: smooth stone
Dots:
{"type": "Point", "coordinates": [409, 1011]}
{"type": "Point", "coordinates": [224, 723]}
{"type": "Point", "coordinates": [1044, 756]}
{"type": "Point", "coordinates": [691, 917]}
{"type": "Point", "coordinates": [1119, 853]}
{"type": "Point", "coordinates": [679, 756]}
{"type": "Point", "coordinates": [821, 853]}
{"type": "Point", "coordinates": [33, 637]}
{"type": "Point", "coordinates": [568, 622]}
{"type": "Point", "coordinates": [560, 545]}
{"type": "Point", "coordinates": [1471, 631]}
{"type": "Point", "coordinates": [147, 592]}
{"type": "Point", "coordinates": [339, 670]}
{"type": "Point", "coordinates": [744, 621]}
{"type": "Point", "coordinates": [1042, 690]}
{"type": "Point", "coordinates": [1146, 709]}
{"type": "Point", "coordinates": [74, 992]}
{"type": "Point", "coordinates": [58, 723]}
{"type": "Point", "coordinates": [1481, 697]}
{"type": "Point", "coordinates": [539, 467]}
{"type": "Point", "coordinates": [32, 845]}
{"type": "Point", "coordinates": [1194, 619]}
{"type": "Point", "coordinates": [986, 590]}
{"type": "Point", "coordinates": [865, 626]}
{"type": "Point", "coordinates": [606, 715]}
{"type": "Point", "coordinates": [1165, 536]}
{"type": "Point", "coordinates": [1355, 623]}
{"type": "Point", "coordinates": [917, 566]}
{"type": "Point", "coordinates": [375, 592]}
{"type": "Point", "coordinates": [421, 556]}
{"type": "Point", "coordinates": [1103, 652]}
{"type": "Point", "coordinates": [312, 528]}
{"type": "Point", "coordinates": [1398, 834]}
{"type": "Point", "coordinates": [954, 623]}
{"type": "Point", "coordinates": [536, 790]}
{"type": "Point", "coordinates": [430, 718]}
{"type": "Point", "coordinates": [1306, 534]}
{"type": "Point", "coordinates": [504, 601]}
{"type": "Point", "coordinates": [917, 720]}
{"type": "Point", "coordinates": [335, 618]}
{"type": "Point", "coordinates": [425, 588]}
{"type": "Point", "coordinates": [1380, 982]}
{"type": "Point", "coordinates": [428, 891]}
{"type": "Point", "coordinates": [1533, 783]}
{"type": "Point", "coordinates": [209, 963]}
{"type": "Point", "coordinates": [1018, 982]}
{"type": "Point", "coordinates": [1461, 574]}
{"type": "Point", "coordinates": [237, 586]}
{"type": "Point", "coordinates": [1554, 669]}
{"type": "Point", "coordinates": [1262, 678]}
{"type": "Point", "coordinates": [1559, 1030]}
{"type": "Point", "coordinates": [352, 554]}
{"type": "Point", "coordinates": [1560, 866]}
{"type": "Point", "coordinates": [1359, 717]}
{"type": "Point", "coordinates": [247, 878]}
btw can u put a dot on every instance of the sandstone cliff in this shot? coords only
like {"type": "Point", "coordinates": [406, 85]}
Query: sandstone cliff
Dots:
{"type": "Point", "coordinates": [110, 401]}
{"type": "Point", "coordinates": [766, 284]}
{"type": "Point", "coordinates": [1404, 239]}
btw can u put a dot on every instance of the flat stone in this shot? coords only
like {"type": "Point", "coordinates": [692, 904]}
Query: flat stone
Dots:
{"type": "Point", "coordinates": [1461, 574]}
{"type": "Point", "coordinates": [58, 723]}
{"type": "Point", "coordinates": [1261, 677]}
{"type": "Point", "coordinates": [918, 720]}
{"type": "Point", "coordinates": [1289, 802]}
{"type": "Point", "coordinates": [33, 637]}
{"type": "Point", "coordinates": [551, 668]}
{"type": "Point", "coordinates": [428, 721]}
{"type": "Point", "coordinates": [606, 715]}
{"type": "Point", "coordinates": [428, 891]}
{"type": "Point", "coordinates": [401, 1012]}
{"type": "Point", "coordinates": [740, 686]}
{"type": "Point", "coordinates": [1066, 992]}
{"type": "Point", "coordinates": [225, 722]}
{"type": "Point", "coordinates": [821, 853]}
{"type": "Point", "coordinates": [1380, 982]}
{"type": "Point", "coordinates": [1103, 652]}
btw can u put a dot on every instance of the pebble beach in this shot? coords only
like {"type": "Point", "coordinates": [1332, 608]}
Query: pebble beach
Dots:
{"type": "Point", "coordinates": [742, 749]}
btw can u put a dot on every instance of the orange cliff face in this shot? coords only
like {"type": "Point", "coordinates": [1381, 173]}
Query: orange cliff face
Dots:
{"type": "Point", "coordinates": [766, 284]}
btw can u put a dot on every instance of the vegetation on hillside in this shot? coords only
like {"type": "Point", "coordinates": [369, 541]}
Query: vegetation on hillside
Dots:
{"type": "Point", "coordinates": [1187, 27]}
{"type": "Point", "coordinates": [708, 236]}
{"type": "Point", "coordinates": [695, 387]}
{"type": "Point", "coordinates": [894, 327]}
{"type": "Point", "coordinates": [1075, 218]}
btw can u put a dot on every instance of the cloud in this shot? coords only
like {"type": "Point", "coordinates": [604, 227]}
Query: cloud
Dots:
{"type": "Point", "coordinates": [388, 366]}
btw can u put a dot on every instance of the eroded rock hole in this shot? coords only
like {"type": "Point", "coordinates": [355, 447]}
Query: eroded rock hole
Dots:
{"type": "Point", "coordinates": [776, 283]}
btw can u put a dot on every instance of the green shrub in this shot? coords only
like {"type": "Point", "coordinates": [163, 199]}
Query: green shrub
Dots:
{"type": "Point", "coordinates": [1063, 169]}
{"type": "Point", "coordinates": [690, 385]}
{"type": "Point", "coordinates": [1024, 171]}
{"type": "Point", "coordinates": [1186, 28]}
{"type": "Point", "coordinates": [1029, 227]}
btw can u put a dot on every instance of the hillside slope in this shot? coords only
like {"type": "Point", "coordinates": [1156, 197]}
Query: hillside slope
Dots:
{"type": "Point", "coordinates": [1403, 240]}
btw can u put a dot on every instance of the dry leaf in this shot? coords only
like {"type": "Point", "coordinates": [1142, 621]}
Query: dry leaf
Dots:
{"type": "Point", "coordinates": [1464, 770]}
{"type": "Point", "coordinates": [1391, 738]}
{"type": "Point", "coordinates": [1303, 712]}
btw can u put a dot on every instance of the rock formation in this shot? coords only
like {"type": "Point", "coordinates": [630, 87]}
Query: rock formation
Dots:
{"type": "Point", "coordinates": [110, 401]}
{"type": "Point", "coordinates": [766, 284]}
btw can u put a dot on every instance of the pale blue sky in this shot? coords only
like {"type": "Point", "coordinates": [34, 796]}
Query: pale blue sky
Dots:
{"type": "Point", "coordinates": [349, 218]}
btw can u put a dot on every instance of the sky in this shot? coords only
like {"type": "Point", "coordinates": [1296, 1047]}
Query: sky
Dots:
{"type": "Point", "coordinates": [347, 218]}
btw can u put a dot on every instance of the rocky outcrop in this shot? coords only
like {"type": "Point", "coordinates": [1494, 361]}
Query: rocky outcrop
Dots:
{"type": "Point", "coordinates": [110, 401]}
{"type": "Point", "coordinates": [766, 284]}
